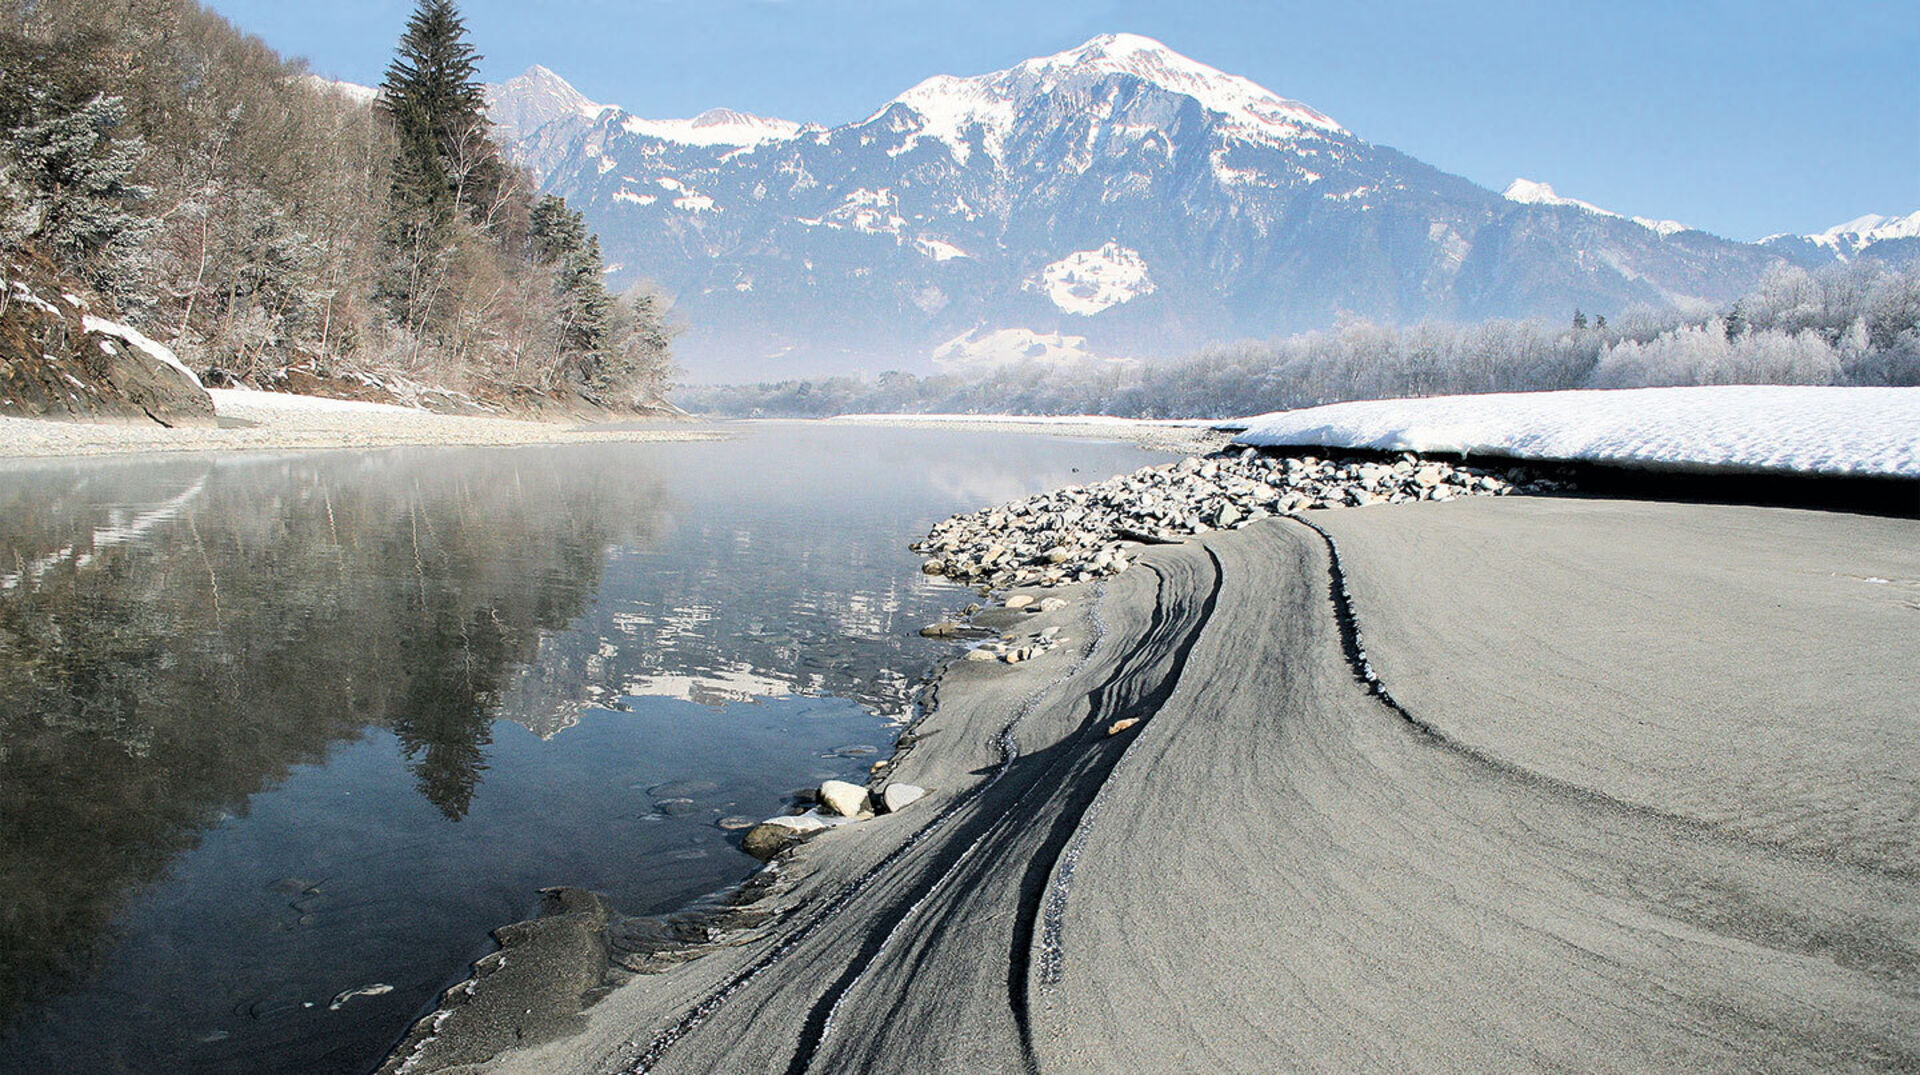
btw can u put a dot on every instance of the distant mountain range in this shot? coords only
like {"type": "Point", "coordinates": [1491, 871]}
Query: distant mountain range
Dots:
{"type": "Point", "coordinates": [1117, 199]}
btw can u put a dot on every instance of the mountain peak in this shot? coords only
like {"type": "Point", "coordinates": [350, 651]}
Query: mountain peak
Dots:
{"type": "Point", "coordinates": [949, 105]}
{"type": "Point", "coordinates": [534, 98]}
{"type": "Point", "coordinates": [1244, 102]}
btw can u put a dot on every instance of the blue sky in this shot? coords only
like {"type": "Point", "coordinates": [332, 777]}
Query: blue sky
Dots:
{"type": "Point", "coordinates": [1743, 118]}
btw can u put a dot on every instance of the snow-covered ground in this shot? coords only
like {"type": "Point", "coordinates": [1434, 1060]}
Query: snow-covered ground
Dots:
{"type": "Point", "coordinates": [238, 402]}
{"type": "Point", "coordinates": [263, 421]}
{"type": "Point", "coordinates": [1839, 431]}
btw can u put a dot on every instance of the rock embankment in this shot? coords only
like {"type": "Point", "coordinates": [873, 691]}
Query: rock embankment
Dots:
{"type": "Point", "coordinates": [1085, 532]}
{"type": "Point", "coordinates": [57, 360]}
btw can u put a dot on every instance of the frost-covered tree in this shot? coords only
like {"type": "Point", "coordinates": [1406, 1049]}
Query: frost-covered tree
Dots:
{"type": "Point", "coordinates": [80, 196]}
{"type": "Point", "coordinates": [559, 240]}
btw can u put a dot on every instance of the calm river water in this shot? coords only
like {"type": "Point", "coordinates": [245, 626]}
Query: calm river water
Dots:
{"type": "Point", "coordinates": [276, 728]}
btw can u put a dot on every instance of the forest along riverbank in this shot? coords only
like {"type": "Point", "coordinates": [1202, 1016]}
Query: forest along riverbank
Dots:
{"type": "Point", "coordinates": [1186, 831]}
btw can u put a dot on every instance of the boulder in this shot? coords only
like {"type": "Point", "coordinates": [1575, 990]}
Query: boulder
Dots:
{"type": "Point", "coordinates": [769, 838]}
{"type": "Point", "coordinates": [898, 796]}
{"type": "Point", "coordinates": [57, 360]}
{"type": "Point", "coordinates": [847, 800]}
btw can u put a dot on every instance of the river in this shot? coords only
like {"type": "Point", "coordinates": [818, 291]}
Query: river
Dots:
{"type": "Point", "coordinates": [282, 736]}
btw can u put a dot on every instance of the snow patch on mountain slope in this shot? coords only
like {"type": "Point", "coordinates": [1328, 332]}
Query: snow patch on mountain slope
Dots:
{"type": "Point", "coordinates": [1815, 430]}
{"type": "Point", "coordinates": [1087, 282]}
{"type": "Point", "coordinates": [1529, 192]}
{"type": "Point", "coordinates": [939, 249]}
{"type": "Point", "coordinates": [1229, 176]}
{"type": "Point", "coordinates": [714, 127]}
{"type": "Point", "coordinates": [871, 212]}
{"type": "Point", "coordinates": [950, 107]}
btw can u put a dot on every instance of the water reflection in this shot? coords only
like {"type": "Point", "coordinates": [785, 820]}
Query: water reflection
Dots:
{"type": "Point", "coordinates": [174, 638]}
{"type": "Point", "coordinates": [276, 727]}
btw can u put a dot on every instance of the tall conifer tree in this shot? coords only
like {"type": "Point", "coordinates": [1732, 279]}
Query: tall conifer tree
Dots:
{"type": "Point", "coordinates": [445, 165]}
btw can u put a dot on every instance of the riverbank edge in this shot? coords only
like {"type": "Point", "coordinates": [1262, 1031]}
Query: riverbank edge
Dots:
{"type": "Point", "coordinates": [251, 421]}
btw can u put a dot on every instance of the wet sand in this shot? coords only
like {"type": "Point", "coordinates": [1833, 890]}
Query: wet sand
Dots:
{"type": "Point", "coordinates": [1641, 798]}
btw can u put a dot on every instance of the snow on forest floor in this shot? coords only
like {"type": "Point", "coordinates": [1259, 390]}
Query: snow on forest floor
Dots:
{"type": "Point", "coordinates": [1810, 430]}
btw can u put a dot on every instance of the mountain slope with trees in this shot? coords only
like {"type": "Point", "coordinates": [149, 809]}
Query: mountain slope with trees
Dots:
{"type": "Point", "coordinates": [180, 176]}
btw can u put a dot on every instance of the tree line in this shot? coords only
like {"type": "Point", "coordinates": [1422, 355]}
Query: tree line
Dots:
{"type": "Point", "coordinates": [1852, 324]}
{"type": "Point", "coordinates": [257, 219]}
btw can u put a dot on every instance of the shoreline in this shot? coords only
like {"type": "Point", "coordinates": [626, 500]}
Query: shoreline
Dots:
{"type": "Point", "coordinates": [252, 421]}
{"type": "Point", "coordinates": [1047, 790]}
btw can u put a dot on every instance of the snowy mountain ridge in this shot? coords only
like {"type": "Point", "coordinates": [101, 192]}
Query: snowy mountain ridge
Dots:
{"type": "Point", "coordinates": [714, 127]}
{"type": "Point", "coordinates": [1116, 199]}
{"type": "Point", "coordinates": [1529, 192]}
{"type": "Point", "coordinates": [950, 107]}
{"type": "Point", "coordinates": [1861, 232]}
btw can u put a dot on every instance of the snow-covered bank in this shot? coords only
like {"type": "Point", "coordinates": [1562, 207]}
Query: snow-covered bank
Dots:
{"type": "Point", "coordinates": [1835, 431]}
{"type": "Point", "coordinates": [259, 421]}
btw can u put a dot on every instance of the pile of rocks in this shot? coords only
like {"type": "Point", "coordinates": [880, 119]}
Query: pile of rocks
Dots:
{"type": "Point", "coordinates": [838, 803]}
{"type": "Point", "coordinates": [1085, 532]}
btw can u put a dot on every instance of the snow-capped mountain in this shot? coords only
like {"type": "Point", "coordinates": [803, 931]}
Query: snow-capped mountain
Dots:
{"type": "Point", "coordinates": [1118, 192]}
{"type": "Point", "coordinates": [1893, 239]}
{"type": "Point", "coordinates": [1529, 192]}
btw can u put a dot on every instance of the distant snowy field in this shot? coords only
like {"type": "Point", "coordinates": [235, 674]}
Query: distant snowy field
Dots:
{"type": "Point", "coordinates": [1838, 431]}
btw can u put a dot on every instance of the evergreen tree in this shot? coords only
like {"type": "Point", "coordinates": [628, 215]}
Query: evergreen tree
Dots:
{"type": "Point", "coordinates": [445, 167]}
{"type": "Point", "coordinates": [559, 239]}
{"type": "Point", "coordinates": [1579, 320]}
{"type": "Point", "coordinates": [79, 190]}
{"type": "Point", "coordinates": [434, 97]}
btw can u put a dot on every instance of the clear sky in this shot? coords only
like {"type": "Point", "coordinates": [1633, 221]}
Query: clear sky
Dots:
{"type": "Point", "coordinates": [1744, 118]}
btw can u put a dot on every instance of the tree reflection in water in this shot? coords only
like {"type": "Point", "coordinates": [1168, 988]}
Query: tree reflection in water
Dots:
{"type": "Point", "coordinates": [175, 637]}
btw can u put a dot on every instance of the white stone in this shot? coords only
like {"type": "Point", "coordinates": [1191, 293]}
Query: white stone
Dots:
{"type": "Point", "coordinates": [847, 800]}
{"type": "Point", "coordinates": [900, 795]}
{"type": "Point", "coordinates": [797, 822]}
